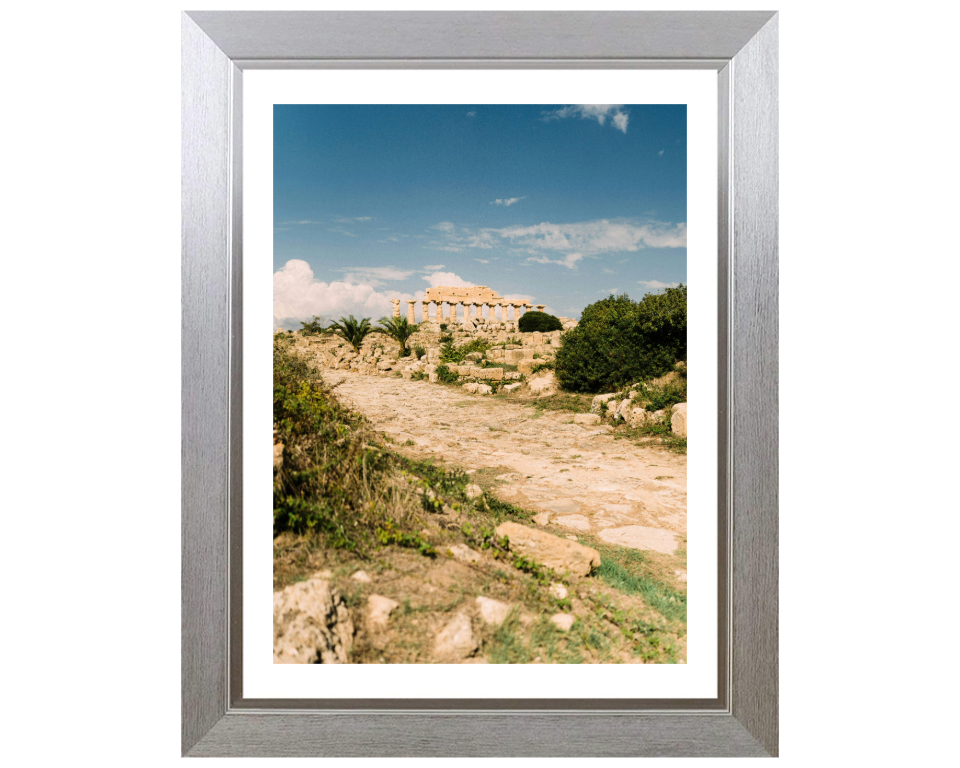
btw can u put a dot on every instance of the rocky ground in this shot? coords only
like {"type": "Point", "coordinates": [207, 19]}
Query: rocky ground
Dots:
{"type": "Point", "coordinates": [577, 476]}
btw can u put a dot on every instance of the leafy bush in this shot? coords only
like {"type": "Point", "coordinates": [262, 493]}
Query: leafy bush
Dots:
{"type": "Point", "coordinates": [449, 353]}
{"type": "Point", "coordinates": [314, 327]}
{"type": "Point", "coordinates": [351, 330]}
{"type": "Point", "coordinates": [334, 479]}
{"type": "Point", "coordinates": [445, 375]}
{"type": "Point", "coordinates": [618, 341]}
{"type": "Point", "coordinates": [419, 351]}
{"type": "Point", "coordinates": [539, 321]}
{"type": "Point", "coordinates": [399, 329]}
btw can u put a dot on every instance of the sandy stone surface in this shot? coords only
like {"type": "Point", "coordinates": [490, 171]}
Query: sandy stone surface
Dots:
{"type": "Point", "coordinates": [578, 475]}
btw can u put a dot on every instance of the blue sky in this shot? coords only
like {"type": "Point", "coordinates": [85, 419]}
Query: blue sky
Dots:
{"type": "Point", "coordinates": [555, 204]}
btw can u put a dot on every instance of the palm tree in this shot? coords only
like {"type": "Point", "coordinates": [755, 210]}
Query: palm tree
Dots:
{"type": "Point", "coordinates": [351, 330]}
{"type": "Point", "coordinates": [399, 329]}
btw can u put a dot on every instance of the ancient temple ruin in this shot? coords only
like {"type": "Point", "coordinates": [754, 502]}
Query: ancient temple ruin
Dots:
{"type": "Point", "coordinates": [479, 303]}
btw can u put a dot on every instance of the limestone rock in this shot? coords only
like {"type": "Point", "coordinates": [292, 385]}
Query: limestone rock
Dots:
{"type": "Point", "coordinates": [434, 378]}
{"type": "Point", "coordinates": [484, 389]}
{"type": "Point", "coordinates": [543, 518]}
{"type": "Point", "coordinates": [472, 387]}
{"type": "Point", "coordinates": [455, 641]}
{"type": "Point", "coordinates": [678, 420]}
{"type": "Point", "coordinates": [641, 537]}
{"type": "Point", "coordinates": [362, 576]}
{"type": "Point", "coordinates": [563, 621]}
{"type": "Point", "coordinates": [586, 418]}
{"type": "Point", "coordinates": [511, 387]}
{"type": "Point", "coordinates": [379, 609]}
{"type": "Point", "coordinates": [277, 455]}
{"type": "Point", "coordinates": [311, 625]}
{"type": "Point", "coordinates": [464, 554]}
{"type": "Point", "coordinates": [552, 551]}
{"type": "Point", "coordinates": [493, 612]}
{"type": "Point", "coordinates": [490, 374]}
{"type": "Point", "coordinates": [473, 490]}
{"type": "Point", "coordinates": [545, 384]}
{"type": "Point", "coordinates": [558, 591]}
{"type": "Point", "coordinates": [596, 405]}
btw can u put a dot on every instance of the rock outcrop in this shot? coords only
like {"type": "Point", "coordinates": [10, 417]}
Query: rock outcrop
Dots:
{"type": "Point", "coordinates": [562, 555]}
{"type": "Point", "coordinates": [311, 625]}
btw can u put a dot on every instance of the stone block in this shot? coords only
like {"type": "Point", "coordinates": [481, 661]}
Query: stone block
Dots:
{"type": "Point", "coordinates": [596, 406]}
{"type": "Point", "coordinates": [434, 378]}
{"type": "Point", "coordinates": [512, 356]}
{"type": "Point", "coordinates": [678, 420]}
{"type": "Point", "coordinates": [561, 555]}
{"type": "Point", "coordinates": [489, 374]}
{"type": "Point", "coordinates": [586, 418]}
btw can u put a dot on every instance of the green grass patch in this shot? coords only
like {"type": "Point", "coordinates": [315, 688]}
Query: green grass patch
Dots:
{"type": "Point", "coordinates": [630, 571]}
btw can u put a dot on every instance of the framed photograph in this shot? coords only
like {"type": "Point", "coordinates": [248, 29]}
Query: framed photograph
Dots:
{"type": "Point", "coordinates": [476, 235]}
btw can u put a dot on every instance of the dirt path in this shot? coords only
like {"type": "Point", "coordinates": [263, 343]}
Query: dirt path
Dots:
{"type": "Point", "coordinates": [582, 478]}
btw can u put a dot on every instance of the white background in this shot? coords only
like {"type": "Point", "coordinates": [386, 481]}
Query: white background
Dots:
{"type": "Point", "coordinates": [697, 679]}
{"type": "Point", "coordinates": [89, 298]}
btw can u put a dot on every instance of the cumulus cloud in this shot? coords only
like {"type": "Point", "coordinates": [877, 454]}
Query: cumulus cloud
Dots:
{"type": "Point", "coordinates": [507, 201]}
{"type": "Point", "coordinates": [655, 286]}
{"type": "Point", "coordinates": [448, 279]}
{"type": "Point", "coordinates": [598, 112]}
{"type": "Point", "coordinates": [298, 295]}
{"type": "Point", "coordinates": [569, 261]}
{"type": "Point", "coordinates": [433, 267]}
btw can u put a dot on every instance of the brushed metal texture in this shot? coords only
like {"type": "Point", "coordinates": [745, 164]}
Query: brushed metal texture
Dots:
{"type": "Point", "coordinates": [479, 34]}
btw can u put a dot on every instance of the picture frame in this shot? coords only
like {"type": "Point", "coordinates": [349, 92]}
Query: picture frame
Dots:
{"type": "Point", "coordinates": [217, 47]}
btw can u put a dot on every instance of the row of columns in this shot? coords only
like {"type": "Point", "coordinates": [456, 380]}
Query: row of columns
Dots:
{"type": "Point", "coordinates": [483, 309]}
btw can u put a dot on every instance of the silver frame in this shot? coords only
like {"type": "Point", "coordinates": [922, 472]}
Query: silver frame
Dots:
{"type": "Point", "coordinates": [742, 47]}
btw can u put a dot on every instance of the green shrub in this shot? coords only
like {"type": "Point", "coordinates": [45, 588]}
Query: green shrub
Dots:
{"type": "Point", "coordinates": [445, 375]}
{"type": "Point", "coordinates": [449, 353]}
{"type": "Point", "coordinates": [539, 321]}
{"type": "Point", "coordinates": [618, 341]}
{"type": "Point", "coordinates": [419, 351]}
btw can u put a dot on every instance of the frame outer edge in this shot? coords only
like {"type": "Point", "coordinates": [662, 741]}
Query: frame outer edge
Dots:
{"type": "Point", "coordinates": [205, 274]}
{"type": "Point", "coordinates": [755, 688]}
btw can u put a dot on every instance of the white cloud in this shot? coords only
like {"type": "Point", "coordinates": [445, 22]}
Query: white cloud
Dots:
{"type": "Point", "coordinates": [598, 112]}
{"type": "Point", "coordinates": [569, 261]}
{"type": "Point", "coordinates": [483, 261]}
{"type": "Point", "coordinates": [375, 276]}
{"type": "Point", "coordinates": [660, 153]}
{"type": "Point", "coordinates": [608, 271]}
{"type": "Point", "coordinates": [350, 220]}
{"type": "Point", "coordinates": [654, 286]}
{"type": "Point", "coordinates": [566, 244]}
{"type": "Point", "coordinates": [444, 226]}
{"type": "Point", "coordinates": [297, 296]}
{"type": "Point", "coordinates": [471, 114]}
{"type": "Point", "coordinates": [342, 232]}
{"type": "Point", "coordinates": [433, 267]}
{"type": "Point", "coordinates": [590, 238]}
{"type": "Point", "coordinates": [447, 279]}
{"type": "Point", "coordinates": [507, 201]}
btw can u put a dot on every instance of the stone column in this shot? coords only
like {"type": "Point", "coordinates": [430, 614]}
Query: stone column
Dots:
{"type": "Point", "coordinates": [396, 307]}
{"type": "Point", "coordinates": [540, 307]}
{"type": "Point", "coordinates": [425, 314]}
{"type": "Point", "coordinates": [503, 311]}
{"type": "Point", "coordinates": [453, 312]}
{"type": "Point", "coordinates": [411, 312]}
{"type": "Point", "coordinates": [437, 316]}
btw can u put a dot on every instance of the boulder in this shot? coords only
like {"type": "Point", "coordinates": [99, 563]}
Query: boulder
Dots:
{"type": "Point", "coordinates": [473, 490]}
{"type": "Point", "coordinates": [596, 406]}
{"type": "Point", "coordinates": [511, 387]}
{"type": "Point", "coordinates": [678, 420]}
{"type": "Point", "coordinates": [563, 621]}
{"type": "Point", "coordinates": [311, 625]}
{"type": "Point", "coordinates": [472, 387]}
{"type": "Point", "coordinates": [511, 375]}
{"type": "Point", "coordinates": [512, 356]}
{"type": "Point", "coordinates": [362, 576]}
{"type": "Point", "coordinates": [552, 551]}
{"type": "Point", "coordinates": [455, 641]}
{"type": "Point", "coordinates": [379, 609]}
{"type": "Point", "coordinates": [586, 418]}
{"type": "Point", "coordinates": [434, 378]}
{"type": "Point", "coordinates": [484, 389]}
{"type": "Point", "coordinates": [277, 455]}
{"type": "Point", "coordinates": [558, 591]}
{"type": "Point", "coordinates": [493, 612]}
{"type": "Point", "coordinates": [544, 384]}
{"type": "Point", "coordinates": [464, 554]}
